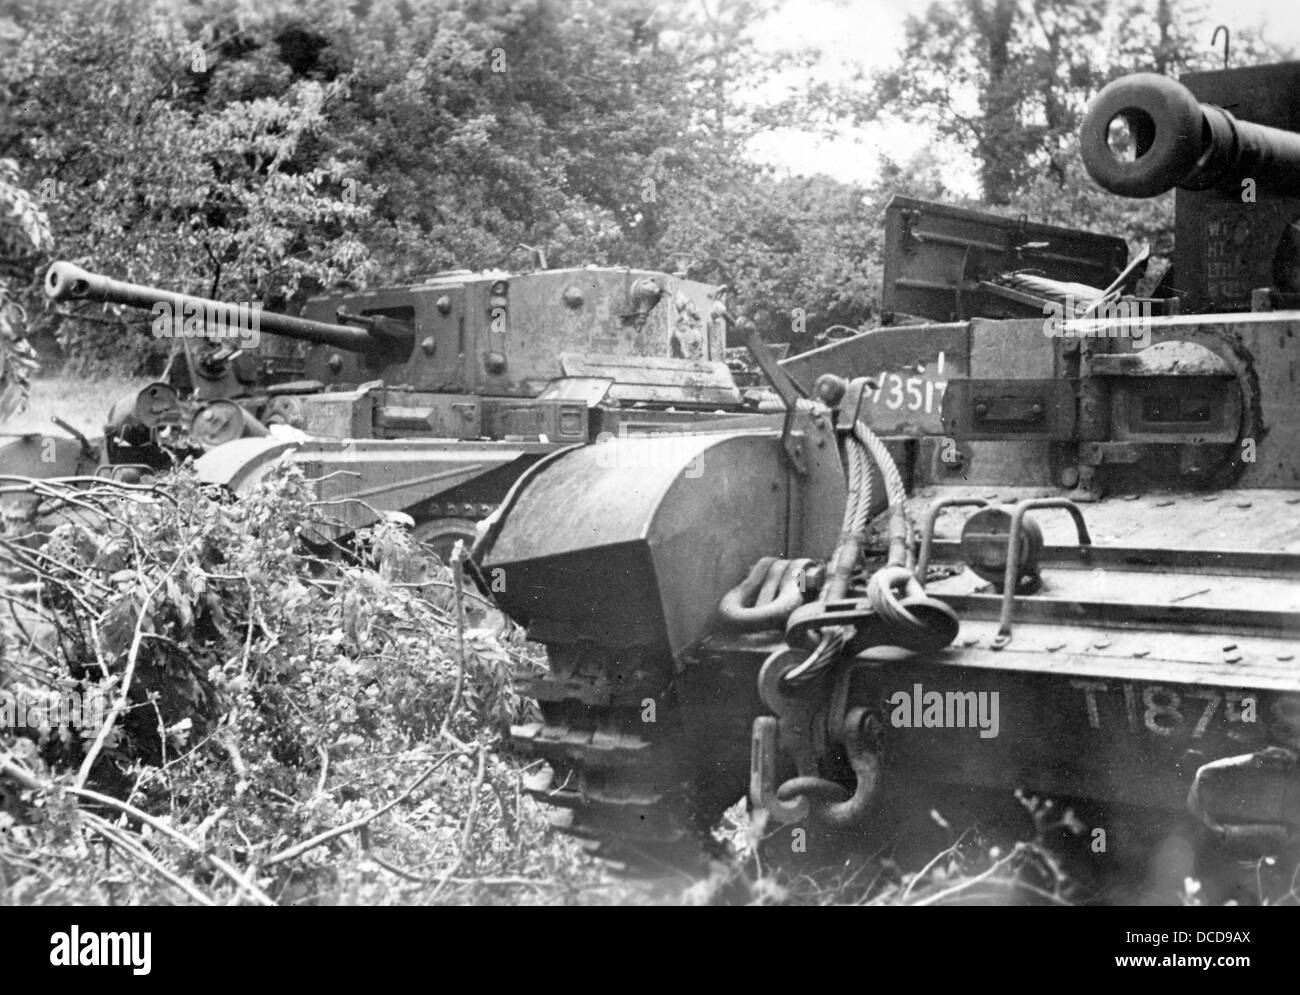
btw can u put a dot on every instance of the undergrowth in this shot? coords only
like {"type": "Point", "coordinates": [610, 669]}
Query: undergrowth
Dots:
{"type": "Point", "coordinates": [278, 726]}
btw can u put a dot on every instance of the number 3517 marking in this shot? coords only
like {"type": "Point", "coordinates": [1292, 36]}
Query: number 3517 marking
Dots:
{"type": "Point", "coordinates": [911, 393]}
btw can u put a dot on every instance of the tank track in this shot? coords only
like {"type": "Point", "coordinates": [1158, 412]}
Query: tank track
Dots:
{"type": "Point", "coordinates": [637, 793]}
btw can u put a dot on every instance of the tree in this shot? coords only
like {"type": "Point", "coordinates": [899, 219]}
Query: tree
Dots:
{"type": "Point", "coordinates": [260, 153]}
{"type": "Point", "coordinates": [142, 176]}
{"type": "Point", "coordinates": [1009, 80]}
{"type": "Point", "coordinates": [24, 235]}
{"type": "Point", "coordinates": [1005, 79]}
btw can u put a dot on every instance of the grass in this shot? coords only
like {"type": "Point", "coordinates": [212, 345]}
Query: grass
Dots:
{"type": "Point", "coordinates": [83, 402]}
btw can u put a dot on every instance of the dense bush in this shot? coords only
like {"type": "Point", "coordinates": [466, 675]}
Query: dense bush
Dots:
{"type": "Point", "coordinates": [273, 703]}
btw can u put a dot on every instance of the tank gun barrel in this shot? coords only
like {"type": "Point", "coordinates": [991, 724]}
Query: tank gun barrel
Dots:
{"type": "Point", "coordinates": [1177, 141]}
{"type": "Point", "coordinates": [65, 281]}
{"type": "Point", "coordinates": [392, 330]}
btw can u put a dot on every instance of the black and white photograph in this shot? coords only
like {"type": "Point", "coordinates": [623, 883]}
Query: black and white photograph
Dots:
{"type": "Point", "coordinates": [649, 453]}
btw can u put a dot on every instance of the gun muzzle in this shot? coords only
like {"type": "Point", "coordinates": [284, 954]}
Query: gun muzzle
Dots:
{"type": "Point", "coordinates": [1177, 141]}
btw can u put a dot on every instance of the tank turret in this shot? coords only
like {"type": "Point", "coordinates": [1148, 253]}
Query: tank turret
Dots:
{"type": "Point", "coordinates": [428, 398]}
{"type": "Point", "coordinates": [490, 334]}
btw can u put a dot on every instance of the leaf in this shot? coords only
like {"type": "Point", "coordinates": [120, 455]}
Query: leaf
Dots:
{"type": "Point", "coordinates": [13, 399]}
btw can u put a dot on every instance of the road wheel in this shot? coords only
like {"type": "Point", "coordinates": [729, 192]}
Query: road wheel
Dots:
{"type": "Point", "coordinates": [440, 535]}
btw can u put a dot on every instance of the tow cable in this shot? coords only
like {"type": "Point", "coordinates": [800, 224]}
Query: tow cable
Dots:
{"type": "Point", "coordinates": [805, 682]}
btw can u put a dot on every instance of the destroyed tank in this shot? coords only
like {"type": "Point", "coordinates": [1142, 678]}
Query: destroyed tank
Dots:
{"type": "Point", "coordinates": [1057, 553]}
{"type": "Point", "coordinates": [428, 399]}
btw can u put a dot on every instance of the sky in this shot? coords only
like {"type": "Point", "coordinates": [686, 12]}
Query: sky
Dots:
{"type": "Point", "coordinates": [869, 34]}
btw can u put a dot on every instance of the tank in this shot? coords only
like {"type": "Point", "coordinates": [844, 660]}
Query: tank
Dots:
{"type": "Point", "coordinates": [428, 399]}
{"type": "Point", "coordinates": [1058, 553]}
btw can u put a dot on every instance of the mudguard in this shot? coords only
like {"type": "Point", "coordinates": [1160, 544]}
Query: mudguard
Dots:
{"type": "Point", "coordinates": [360, 479]}
{"type": "Point", "coordinates": [633, 542]}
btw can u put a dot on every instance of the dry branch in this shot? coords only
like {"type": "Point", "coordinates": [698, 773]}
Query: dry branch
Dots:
{"type": "Point", "coordinates": [298, 849]}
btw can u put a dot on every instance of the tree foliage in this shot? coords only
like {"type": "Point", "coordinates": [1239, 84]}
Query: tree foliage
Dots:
{"type": "Point", "coordinates": [262, 151]}
{"type": "Point", "coordinates": [265, 151]}
{"type": "Point", "coordinates": [269, 726]}
{"type": "Point", "coordinates": [24, 234]}
{"type": "Point", "coordinates": [1009, 80]}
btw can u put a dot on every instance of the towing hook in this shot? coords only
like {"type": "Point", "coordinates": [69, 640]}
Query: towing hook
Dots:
{"type": "Point", "coordinates": [862, 743]}
{"type": "Point", "coordinates": [826, 799]}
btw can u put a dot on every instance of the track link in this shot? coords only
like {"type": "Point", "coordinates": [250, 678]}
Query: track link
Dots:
{"type": "Point", "coordinates": [640, 758]}
{"type": "Point", "coordinates": [617, 783]}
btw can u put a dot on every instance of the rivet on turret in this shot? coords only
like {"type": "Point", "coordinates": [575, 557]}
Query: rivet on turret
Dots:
{"type": "Point", "coordinates": [443, 304]}
{"type": "Point", "coordinates": [428, 345]}
{"type": "Point", "coordinates": [335, 362]}
{"type": "Point", "coordinates": [494, 363]}
{"type": "Point", "coordinates": [573, 297]}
